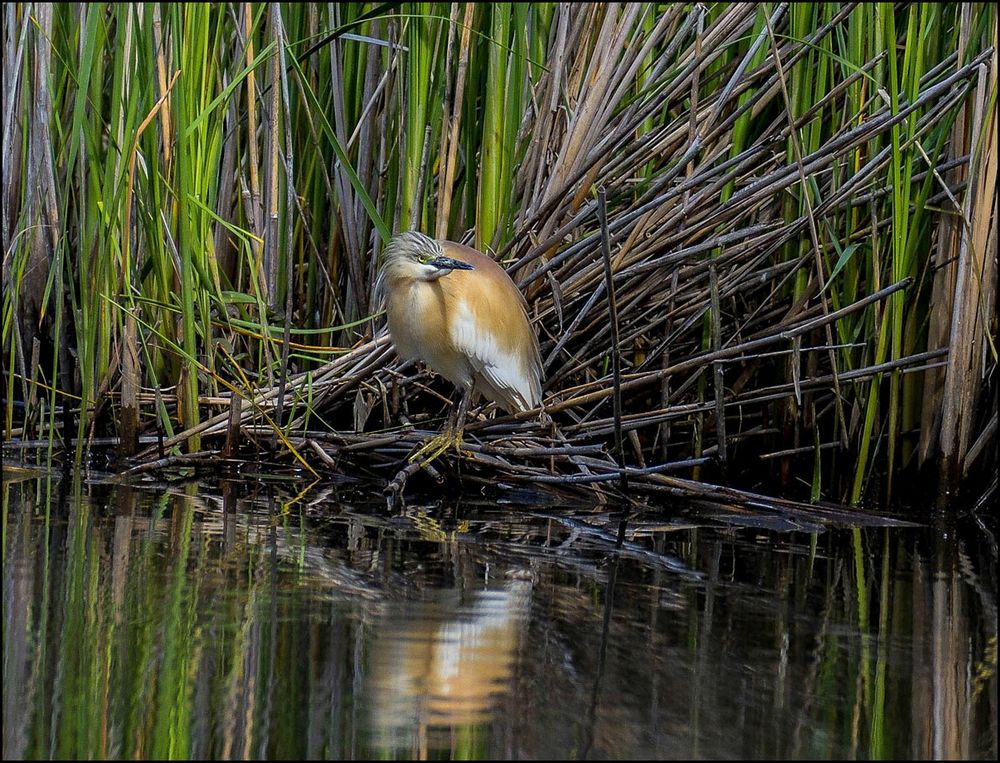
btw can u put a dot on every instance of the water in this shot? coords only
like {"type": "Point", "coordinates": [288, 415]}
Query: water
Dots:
{"type": "Point", "coordinates": [228, 620]}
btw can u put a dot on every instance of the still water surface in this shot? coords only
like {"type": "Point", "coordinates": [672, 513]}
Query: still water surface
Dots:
{"type": "Point", "coordinates": [223, 620]}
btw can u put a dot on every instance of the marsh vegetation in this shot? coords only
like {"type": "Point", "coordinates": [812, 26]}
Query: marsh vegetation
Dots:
{"type": "Point", "coordinates": [799, 204]}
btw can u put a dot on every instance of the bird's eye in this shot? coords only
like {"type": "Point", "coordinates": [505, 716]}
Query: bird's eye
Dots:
{"type": "Point", "coordinates": [424, 259]}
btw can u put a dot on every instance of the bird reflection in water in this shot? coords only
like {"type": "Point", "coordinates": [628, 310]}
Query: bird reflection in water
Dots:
{"type": "Point", "coordinates": [441, 666]}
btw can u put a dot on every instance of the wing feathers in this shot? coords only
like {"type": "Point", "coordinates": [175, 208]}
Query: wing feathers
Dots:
{"type": "Point", "coordinates": [502, 368]}
{"type": "Point", "coordinates": [488, 325]}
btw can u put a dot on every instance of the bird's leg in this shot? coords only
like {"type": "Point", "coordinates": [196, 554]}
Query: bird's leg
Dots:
{"type": "Point", "coordinates": [451, 435]}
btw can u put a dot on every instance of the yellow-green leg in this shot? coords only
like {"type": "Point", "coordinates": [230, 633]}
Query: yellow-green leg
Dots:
{"type": "Point", "coordinates": [450, 436]}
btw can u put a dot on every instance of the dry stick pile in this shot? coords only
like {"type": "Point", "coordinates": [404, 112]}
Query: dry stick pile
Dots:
{"type": "Point", "coordinates": [708, 228]}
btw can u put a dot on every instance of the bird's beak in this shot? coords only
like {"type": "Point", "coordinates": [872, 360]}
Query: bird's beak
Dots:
{"type": "Point", "coordinates": [447, 263]}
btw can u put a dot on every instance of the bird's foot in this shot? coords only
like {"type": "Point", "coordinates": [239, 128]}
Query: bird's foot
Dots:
{"type": "Point", "coordinates": [437, 445]}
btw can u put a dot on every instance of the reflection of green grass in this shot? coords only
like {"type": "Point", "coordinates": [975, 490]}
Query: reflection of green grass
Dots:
{"type": "Point", "coordinates": [138, 647]}
{"type": "Point", "coordinates": [470, 743]}
{"type": "Point", "coordinates": [79, 667]}
{"type": "Point", "coordinates": [172, 715]}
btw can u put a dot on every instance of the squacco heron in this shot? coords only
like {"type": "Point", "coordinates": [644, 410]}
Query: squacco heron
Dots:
{"type": "Point", "coordinates": [458, 311]}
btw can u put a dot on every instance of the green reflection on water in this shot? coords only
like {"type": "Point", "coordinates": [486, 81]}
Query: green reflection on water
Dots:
{"type": "Point", "coordinates": [202, 621]}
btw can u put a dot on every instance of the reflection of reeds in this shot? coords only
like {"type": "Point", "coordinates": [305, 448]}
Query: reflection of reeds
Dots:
{"type": "Point", "coordinates": [148, 622]}
{"type": "Point", "coordinates": [195, 198]}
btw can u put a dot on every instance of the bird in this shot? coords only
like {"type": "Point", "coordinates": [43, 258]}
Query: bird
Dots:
{"type": "Point", "coordinates": [459, 312]}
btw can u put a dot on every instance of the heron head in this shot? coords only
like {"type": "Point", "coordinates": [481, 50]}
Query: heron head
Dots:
{"type": "Point", "coordinates": [414, 255]}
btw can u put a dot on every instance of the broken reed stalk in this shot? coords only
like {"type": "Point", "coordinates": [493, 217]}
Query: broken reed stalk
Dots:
{"type": "Point", "coordinates": [287, 159]}
{"type": "Point", "coordinates": [616, 362]}
{"type": "Point", "coordinates": [717, 366]}
{"type": "Point", "coordinates": [130, 388]}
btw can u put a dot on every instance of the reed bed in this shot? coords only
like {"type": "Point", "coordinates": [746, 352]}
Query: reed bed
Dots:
{"type": "Point", "coordinates": [798, 204]}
